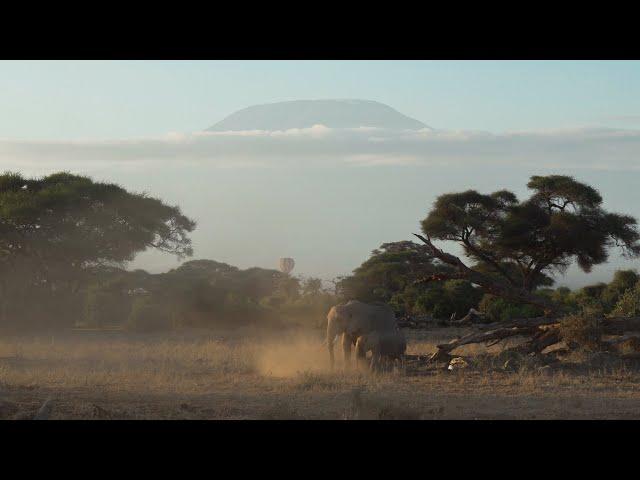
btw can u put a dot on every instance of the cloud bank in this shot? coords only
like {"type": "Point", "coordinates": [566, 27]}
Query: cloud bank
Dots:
{"type": "Point", "coordinates": [580, 148]}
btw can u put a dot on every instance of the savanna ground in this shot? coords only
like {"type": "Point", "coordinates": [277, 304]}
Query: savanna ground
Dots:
{"type": "Point", "coordinates": [255, 374]}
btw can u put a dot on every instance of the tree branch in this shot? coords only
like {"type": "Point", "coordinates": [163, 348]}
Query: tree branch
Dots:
{"type": "Point", "coordinates": [489, 260]}
{"type": "Point", "coordinates": [487, 283]}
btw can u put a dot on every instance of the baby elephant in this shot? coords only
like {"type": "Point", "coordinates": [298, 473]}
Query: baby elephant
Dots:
{"type": "Point", "coordinates": [385, 348]}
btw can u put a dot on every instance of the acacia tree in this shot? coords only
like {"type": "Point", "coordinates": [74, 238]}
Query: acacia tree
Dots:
{"type": "Point", "coordinates": [56, 228]}
{"type": "Point", "coordinates": [516, 244]}
{"type": "Point", "coordinates": [389, 270]}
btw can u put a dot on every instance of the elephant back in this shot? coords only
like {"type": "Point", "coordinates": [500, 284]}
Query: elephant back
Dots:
{"type": "Point", "coordinates": [372, 318]}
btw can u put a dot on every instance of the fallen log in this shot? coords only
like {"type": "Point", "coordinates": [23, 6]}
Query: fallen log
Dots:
{"type": "Point", "coordinates": [443, 350]}
{"type": "Point", "coordinates": [545, 332]}
{"type": "Point", "coordinates": [543, 339]}
{"type": "Point", "coordinates": [520, 322]}
{"type": "Point", "coordinates": [625, 324]}
{"type": "Point", "coordinates": [472, 317]}
{"type": "Point", "coordinates": [627, 344]}
{"type": "Point", "coordinates": [610, 326]}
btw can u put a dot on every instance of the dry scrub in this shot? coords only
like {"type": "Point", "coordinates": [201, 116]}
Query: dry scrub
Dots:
{"type": "Point", "coordinates": [274, 375]}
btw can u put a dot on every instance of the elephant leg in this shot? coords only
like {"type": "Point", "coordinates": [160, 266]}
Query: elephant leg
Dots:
{"type": "Point", "coordinates": [346, 348]}
{"type": "Point", "coordinates": [382, 364]}
{"type": "Point", "coordinates": [331, 358]}
{"type": "Point", "coordinates": [361, 353]}
{"type": "Point", "coordinates": [375, 362]}
{"type": "Point", "coordinates": [382, 368]}
{"type": "Point", "coordinates": [387, 364]}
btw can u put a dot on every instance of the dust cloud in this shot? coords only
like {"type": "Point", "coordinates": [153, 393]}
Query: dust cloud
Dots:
{"type": "Point", "coordinates": [292, 355]}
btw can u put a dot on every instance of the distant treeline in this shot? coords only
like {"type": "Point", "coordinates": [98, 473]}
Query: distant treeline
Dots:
{"type": "Point", "coordinates": [64, 240]}
{"type": "Point", "coordinates": [203, 293]}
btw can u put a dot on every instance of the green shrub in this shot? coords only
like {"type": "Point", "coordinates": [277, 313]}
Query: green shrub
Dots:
{"type": "Point", "coordinates": [461, 296]}
{"type": "Point", "coordinates": [443, 309]}
{"type": "Point", "coordinates": [307, 310]}
{"type": "Point", "coordinates": [104, 307]}
{"type": "Point", "coordinates": [427, 301]}
{"type": "Point", "coordinates": [498, 309]}
{"type": "Point", "coordinates": [444, 299]}
{"type": "Point", "coordinates": [623, 280]}
{"type": "Point", "coordinates": [148, 315]}
{"type": "Point", "coordinates": [628, 304]}
{"type": "Point", "coordinates": [564, 298]}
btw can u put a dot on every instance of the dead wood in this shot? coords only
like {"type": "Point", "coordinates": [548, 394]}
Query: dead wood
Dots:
{"type": "Point", "coordinates": [443, 351]}
{"type": "Point", "coordinates": [540, 341]}
{"type": "Point", "coordinates": [623, 324]}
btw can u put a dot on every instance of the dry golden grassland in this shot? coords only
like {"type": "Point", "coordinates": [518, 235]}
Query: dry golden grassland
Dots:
{"type": "Point", "coordinates": [262, 375]}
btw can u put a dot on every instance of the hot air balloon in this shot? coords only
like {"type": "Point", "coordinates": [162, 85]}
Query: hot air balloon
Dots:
{"type": "Point", "coordinates": [286, 265]}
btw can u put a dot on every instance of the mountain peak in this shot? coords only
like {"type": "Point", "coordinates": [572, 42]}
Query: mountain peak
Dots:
{"type": "Point", "coordinates": [337, 113]}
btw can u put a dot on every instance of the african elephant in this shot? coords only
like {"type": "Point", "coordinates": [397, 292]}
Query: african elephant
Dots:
{"type": "Point", "coordinates": [356, 318]}
{"type": "Point", "coordinates": [384, 347]}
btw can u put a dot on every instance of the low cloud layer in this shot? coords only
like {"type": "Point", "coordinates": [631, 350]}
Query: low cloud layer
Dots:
{"type": "Point", "coordinates": [586, 148]}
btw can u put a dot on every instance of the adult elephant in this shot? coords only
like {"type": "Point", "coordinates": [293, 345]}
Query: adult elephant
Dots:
{"type": "Point", "coordinates": [356, 318]}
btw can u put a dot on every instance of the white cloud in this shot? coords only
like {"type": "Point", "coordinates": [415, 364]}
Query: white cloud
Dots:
{"type": "Point", "coordinates": [316, 131]}
{"type": "Point", "coordinates": [368, 160]}
{"type": "Point", "coordinates": [579, 148]}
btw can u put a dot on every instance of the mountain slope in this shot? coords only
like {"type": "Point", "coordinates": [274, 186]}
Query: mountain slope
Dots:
{"type": "Point", "coordinates": [306, 113]}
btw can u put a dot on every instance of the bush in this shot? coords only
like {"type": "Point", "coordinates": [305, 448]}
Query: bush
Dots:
{"type": "Point", "coordinates": [103, 307]}
{"type": "Point", "coordinates": [623, 280]}
{"type": "Point", "coordinates": [443, 300]}
{"type": "Point", "coordinates": [148, 315]}
{"type": "Point", "coordinates": [240, 310]}
{"type": "Point", "coordinates": [629, 303]}
{"type": "Point", "coordinates": [564, 298]}
{"type": "Point", "coordinates": [594, 291]}
{"type": "Point", "coordinates": [581, 329]}
{"type": "Point", "coordinates": [443, 309]}
{"type": "Point", "coordinates": [308, 310]}
{"type": "Point", "coordinates": [426, 302]}
{"type": "Point", "coordinates": [461, 296]}
{"type": "Point", "coordinates": [498, 309]}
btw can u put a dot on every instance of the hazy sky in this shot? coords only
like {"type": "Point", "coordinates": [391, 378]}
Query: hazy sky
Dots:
{"type": "Point", "coordinates": [325, 197]}
{"type": "Point", "coordinates": [97, 99]}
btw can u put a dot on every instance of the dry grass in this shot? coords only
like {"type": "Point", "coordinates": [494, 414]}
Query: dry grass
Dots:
{"type": "Point", "coordinates": [262, 375]}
